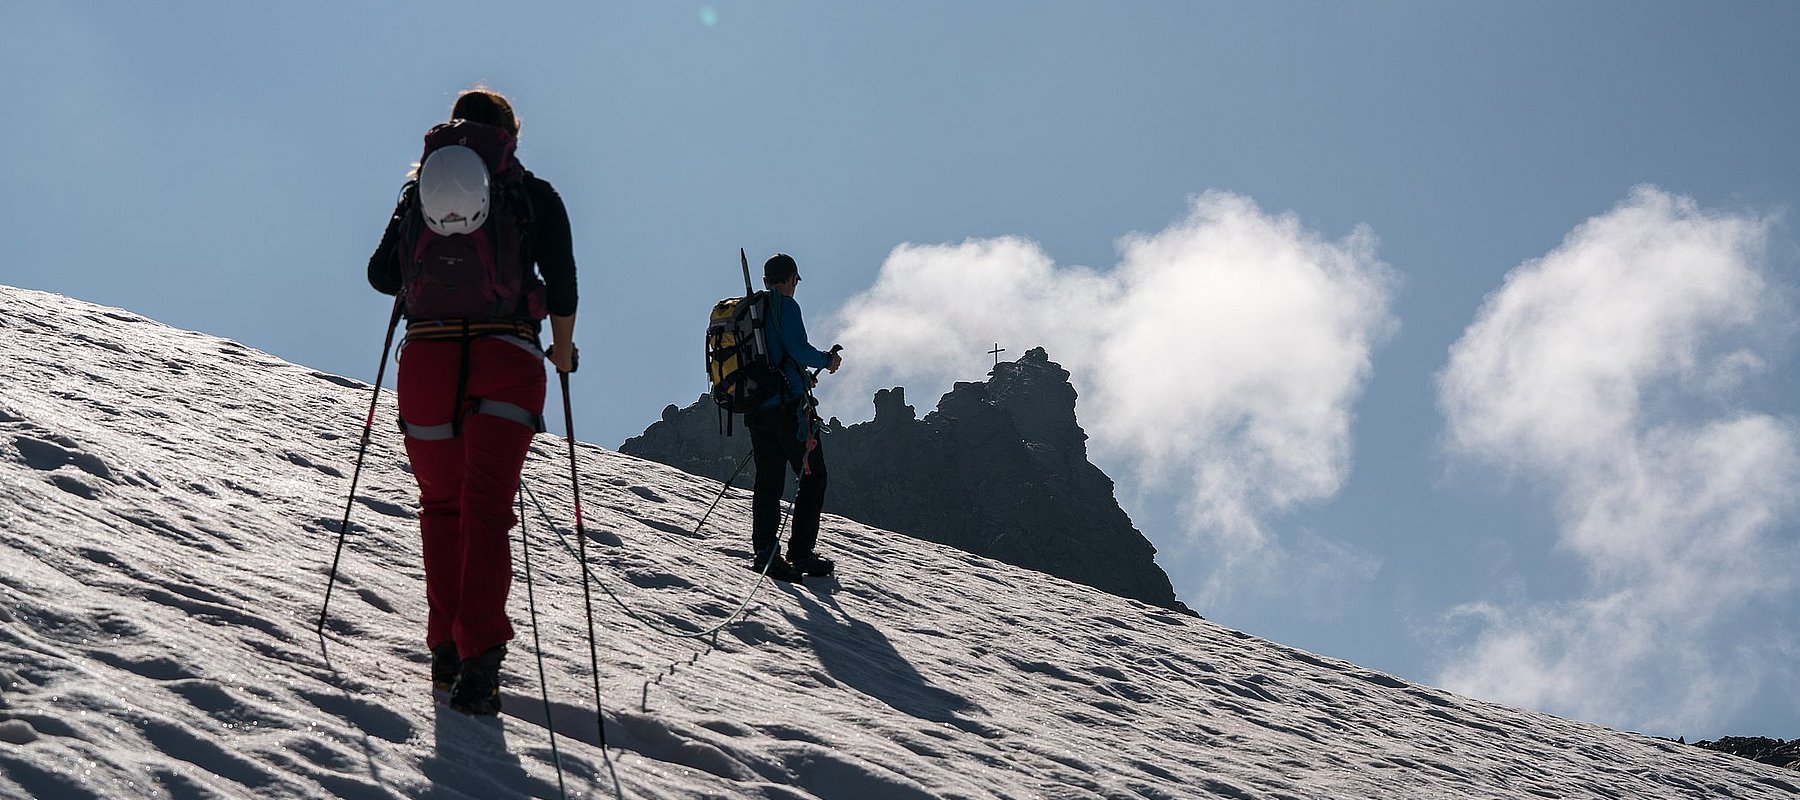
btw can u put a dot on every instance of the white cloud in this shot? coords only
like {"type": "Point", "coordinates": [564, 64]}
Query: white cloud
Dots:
{"type": "Point", "coordinates": [1608, 370]}
{"type": "Point", "coordinates": [1219, 360]}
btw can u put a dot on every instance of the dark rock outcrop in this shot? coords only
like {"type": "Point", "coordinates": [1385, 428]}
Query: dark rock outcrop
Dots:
{"type": "Point", "coordinates": [1000, 469]}
{"type": "Point", "coordinates": [1775, 752]}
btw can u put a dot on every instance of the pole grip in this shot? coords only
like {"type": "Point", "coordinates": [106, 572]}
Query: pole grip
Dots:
{"type": "Point", "coordinates": [833, 351]}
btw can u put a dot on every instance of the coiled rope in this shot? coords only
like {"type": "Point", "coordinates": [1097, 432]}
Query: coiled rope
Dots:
{"type": "Point", "coordinates": [588, 575]}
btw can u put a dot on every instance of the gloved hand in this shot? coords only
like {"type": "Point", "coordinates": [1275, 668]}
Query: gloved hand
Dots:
{"type": "Point", "coordinates": [573, 362]}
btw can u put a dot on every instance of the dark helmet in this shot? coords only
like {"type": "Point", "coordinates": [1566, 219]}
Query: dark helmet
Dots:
{"type": "Point", "coordinates": [779, 268]}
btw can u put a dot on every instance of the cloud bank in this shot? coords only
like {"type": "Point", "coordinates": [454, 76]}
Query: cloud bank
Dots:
{"type": "Point", "coordinates": [1219, 360]}
{"type": "Point", "coordinates": [1609, 372]}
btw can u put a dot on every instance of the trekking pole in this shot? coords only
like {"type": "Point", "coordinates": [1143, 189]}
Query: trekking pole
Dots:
{"type": "Point", "coordinates": [356, 474]}
{"type": "Point", "coordinates": [587, 597]}
{"type": "Point", "coordinates": [812, 430]}
{"type": "Point", "coordinates": [537, 643]}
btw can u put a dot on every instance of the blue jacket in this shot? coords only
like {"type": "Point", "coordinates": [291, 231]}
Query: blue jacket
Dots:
{"type": "Point", "coordinates": [789, 349]}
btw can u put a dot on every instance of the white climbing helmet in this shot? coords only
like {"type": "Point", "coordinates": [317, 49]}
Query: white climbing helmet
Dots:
{"type": "Point", "coordinates": [453, 190]}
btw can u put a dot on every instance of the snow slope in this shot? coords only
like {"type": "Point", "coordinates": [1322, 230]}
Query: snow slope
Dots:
{"type": "Point", "coordinates": [168, 507]}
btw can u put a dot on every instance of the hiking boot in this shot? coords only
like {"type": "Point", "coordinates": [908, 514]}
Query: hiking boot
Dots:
{"type": "Point", "coordinates": [810, 563]}
{"type": "Point", "coordinates": [775, 566]}
{"type": "Point", "coordinates": [445, 663]}
{"type": "Point", "coordinates": [477, 689]}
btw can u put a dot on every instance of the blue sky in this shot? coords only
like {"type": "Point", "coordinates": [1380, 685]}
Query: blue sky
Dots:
{"type": "Point", "coordinates": [1451, 339]}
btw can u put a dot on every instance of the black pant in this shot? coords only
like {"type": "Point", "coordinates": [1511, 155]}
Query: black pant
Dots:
{"type": "Point", "coordinates": [779, 444]}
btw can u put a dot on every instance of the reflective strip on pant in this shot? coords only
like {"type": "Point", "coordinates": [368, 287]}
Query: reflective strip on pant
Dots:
{"type": "Point", "coordinates": [492, 408]}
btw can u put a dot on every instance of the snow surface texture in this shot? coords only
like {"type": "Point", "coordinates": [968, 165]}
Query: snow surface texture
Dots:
{"type": "Point", "coordinates": [168, 511]}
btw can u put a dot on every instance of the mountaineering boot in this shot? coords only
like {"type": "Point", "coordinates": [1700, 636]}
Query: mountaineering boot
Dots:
{"type": "Point", "coordinates": [445, 663]}
{"type": "Point", "coordinates": [778, 567]}
{"type": "Point", "coordinates": [477, 689]}
{"type": "Point", "coordinates": [811, 563]}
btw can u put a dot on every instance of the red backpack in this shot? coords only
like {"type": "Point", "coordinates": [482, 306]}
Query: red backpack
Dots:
{"type": "Point", "coordinates": [480, 276]}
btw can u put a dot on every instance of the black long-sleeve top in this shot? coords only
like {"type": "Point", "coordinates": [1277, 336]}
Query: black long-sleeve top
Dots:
{"type": "Point", "coordinates": [548, 244]}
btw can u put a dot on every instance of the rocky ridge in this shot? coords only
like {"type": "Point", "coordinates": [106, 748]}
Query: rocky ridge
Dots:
{"type": "Point", "coordinates": [999, 469]}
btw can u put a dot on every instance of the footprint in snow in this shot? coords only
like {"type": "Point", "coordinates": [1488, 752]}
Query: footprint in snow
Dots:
{"type": "Point", "coordinates": [75, 486]}
{"type": "Point", "coordinates": [17, 731]}
{"type": "Point", "coordinates": [385, 507]}
{"type": "Point", "coordinates": [50, 455]}
{"type": "Point", "coordinates": [656, 580]}
{"type": "Point", "coordinates": [665, 527]}
{"type": "Point", "coordinates": [118, 625]}
{"type": "Point", "coordinates": [169, 737]}
{"type": "Point", "coordinates": [647, 493]}
{"type": "Point", "coordinates": [376, 600]}
{"type": "Point", "coordinates": [369, 717]}
{"type": "Point", "coordinates": [156, 668]}
{"type": "Point", "coordinates": [213, 613]}
{"type": "Point", "coordinates": [219, 703]}
{"type": "Point", "coordinates": [826, 773]}
{"type": "Point", "coordinates": [302, 461]}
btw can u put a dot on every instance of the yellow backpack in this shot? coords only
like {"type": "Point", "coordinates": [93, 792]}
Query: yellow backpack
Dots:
{"type": "Point", "coordinates": [737, 355]}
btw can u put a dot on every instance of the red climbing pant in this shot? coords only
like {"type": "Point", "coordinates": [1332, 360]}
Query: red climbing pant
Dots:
{"type": "Point", "coordinates": [468, 479]}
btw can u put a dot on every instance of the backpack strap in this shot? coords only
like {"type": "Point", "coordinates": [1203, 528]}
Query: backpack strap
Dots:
{"type": "Point", "coordinates": [771, 321]}
{"type": "Point", "coordinates": [462, 382]}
